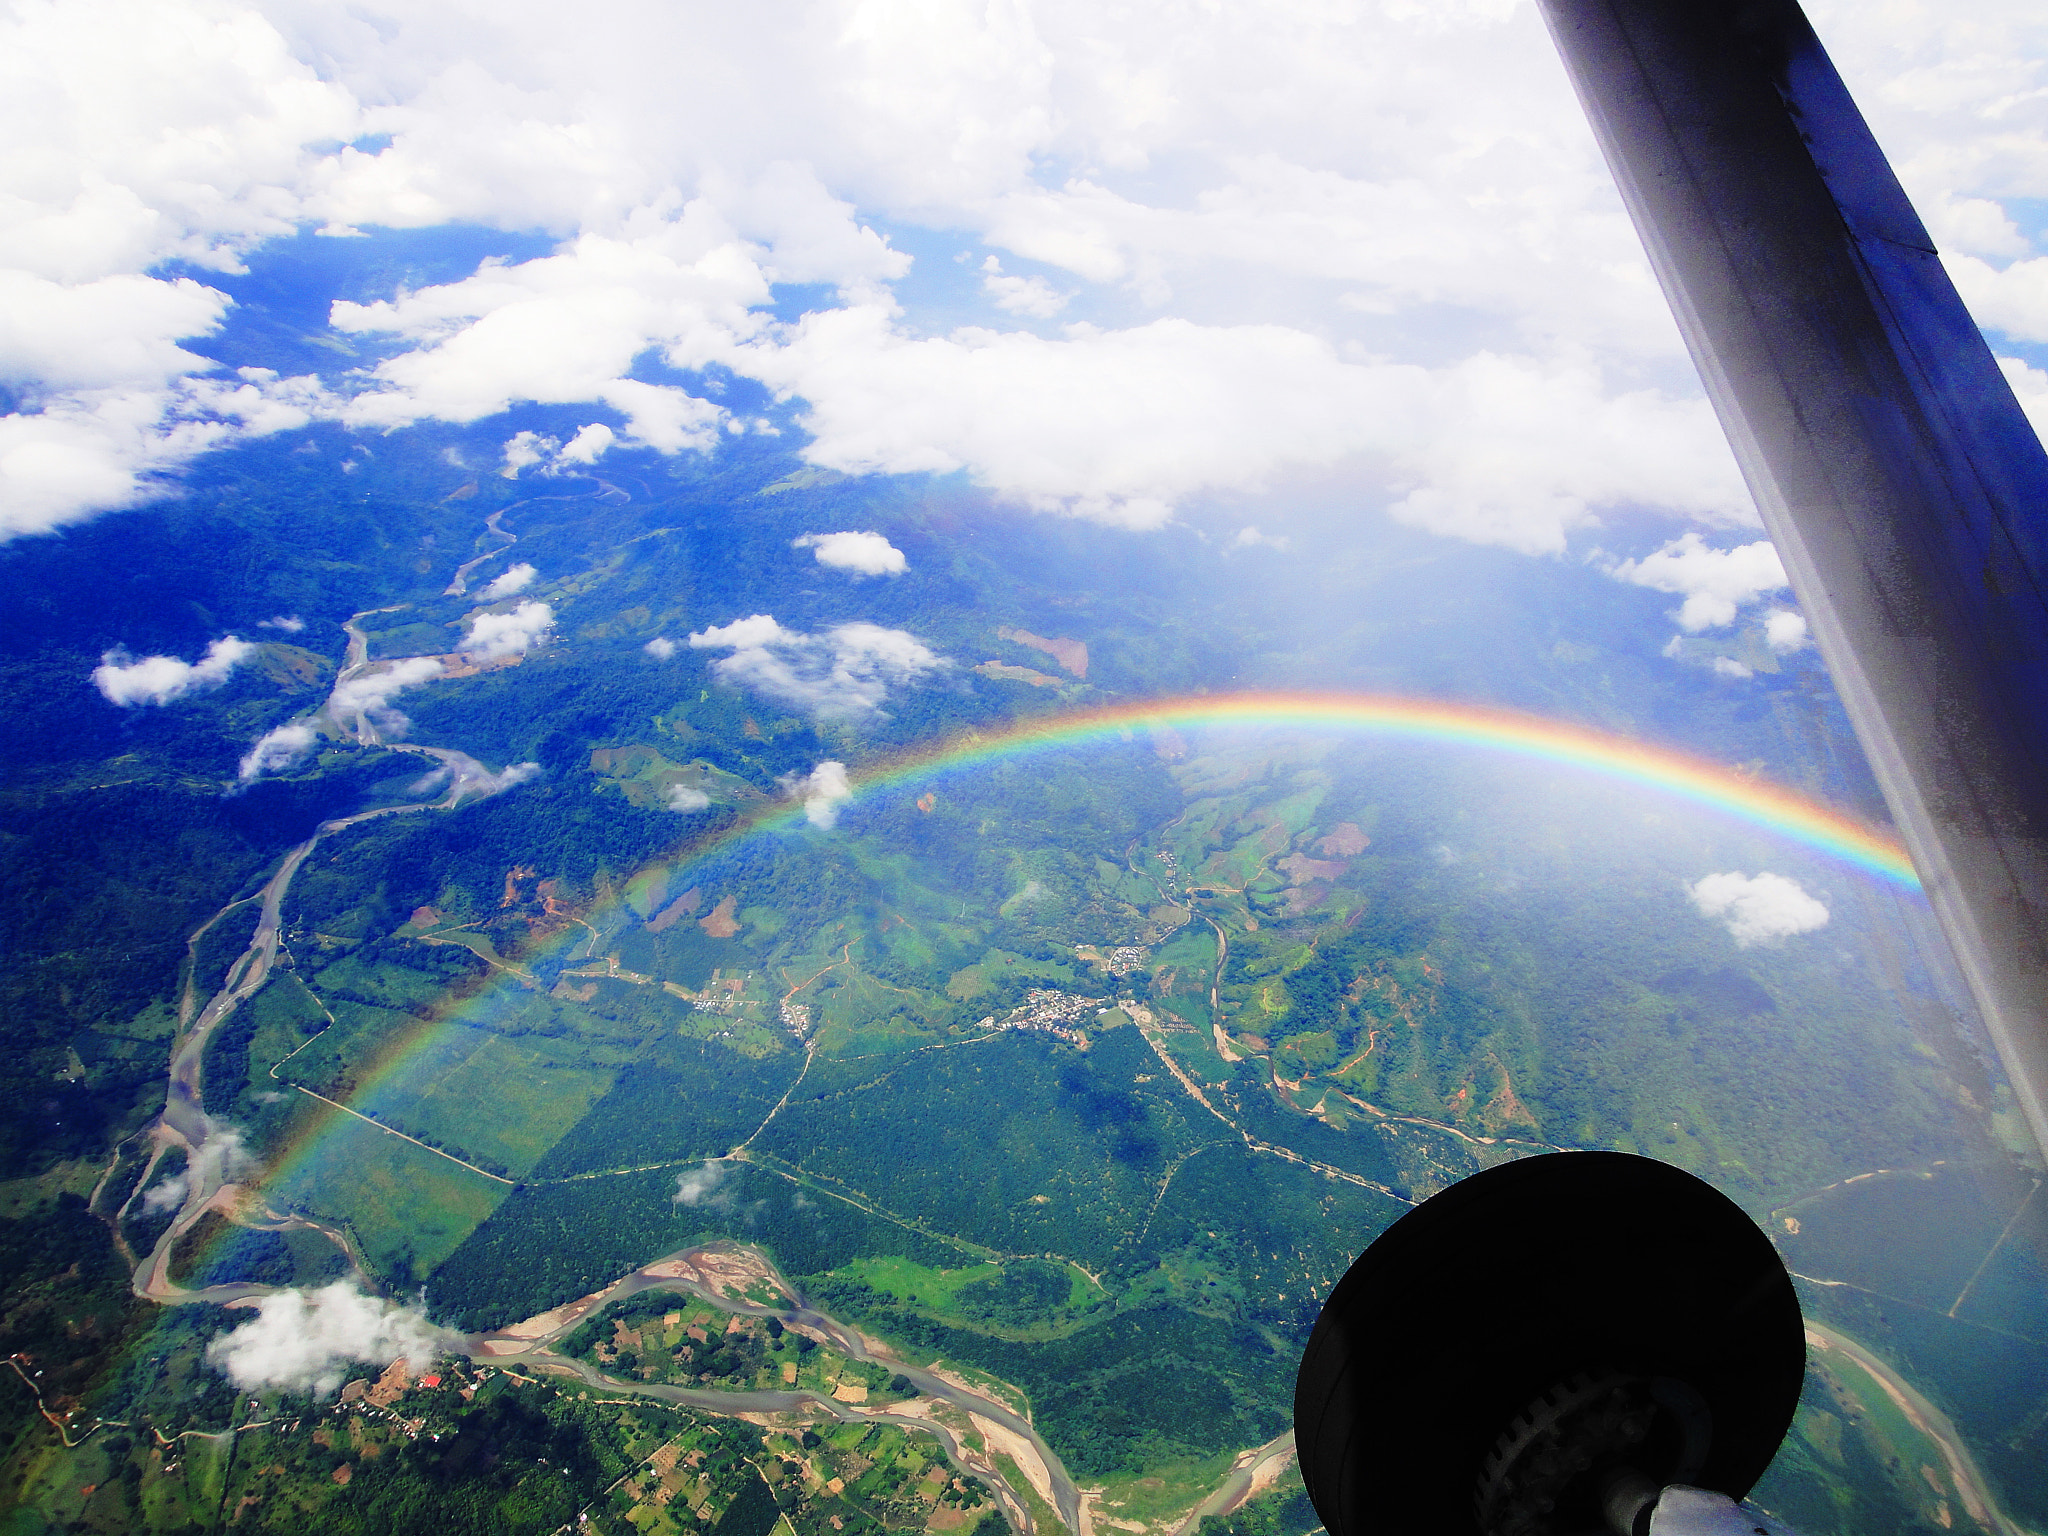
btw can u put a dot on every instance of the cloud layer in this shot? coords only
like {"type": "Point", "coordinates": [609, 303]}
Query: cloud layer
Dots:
{"type": "Point", "coordinates": [309, 1341]}
{"type": "Point", "coordinates": [1374, 243]}
{"type": "Point", "coordinates": [845, 672]}
{"type": "Point", "coordinates": [1758, 908]}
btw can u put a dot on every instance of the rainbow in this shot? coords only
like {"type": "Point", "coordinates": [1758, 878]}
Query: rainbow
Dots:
{"type": "Point", "coordinates": [1745, 798]}
{"type": "Point", "coordinates": [1780, 811]}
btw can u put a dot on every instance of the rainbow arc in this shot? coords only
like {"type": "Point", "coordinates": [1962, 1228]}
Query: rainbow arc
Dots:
{"type": "Point", "coordinates": [1773, 808]}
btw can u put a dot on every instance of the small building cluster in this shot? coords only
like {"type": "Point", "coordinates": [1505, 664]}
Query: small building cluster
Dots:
{"type": "Point", "coordinates": [796, 1018]}
{"type": "Point", "coordinates": [722, 994]}
{"type": "Point", "coordinates": [1125, 959]}
{"type": "Point", "coordinates": [1173, 874]}
{"type": "Point", "coordinates": [1053, 1012]}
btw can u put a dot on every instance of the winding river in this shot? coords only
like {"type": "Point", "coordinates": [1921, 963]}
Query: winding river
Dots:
{"type": "Point", "coordinates": [686, 1271]}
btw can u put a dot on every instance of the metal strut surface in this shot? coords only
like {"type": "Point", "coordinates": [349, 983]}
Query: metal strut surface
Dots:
{"type": "Point", "coordinates": [1903, 486]}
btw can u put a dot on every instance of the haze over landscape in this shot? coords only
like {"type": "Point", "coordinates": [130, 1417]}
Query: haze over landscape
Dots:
{"type": "Point", "coordinates": [774, 767]}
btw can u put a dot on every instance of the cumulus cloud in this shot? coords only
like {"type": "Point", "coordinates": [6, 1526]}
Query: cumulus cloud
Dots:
{"type": "Point", "coordinates": [1032, 296]}
{"type": "Point", "coordinates": [291, 624]}
{"type": "Point", "coordinates": [1714, 582]}
{"type": "Point", "coordinates": [846, 671]}
{"type": "Point", "coordinates": [823, 790]}
{"type": "Point", "coordinates": [2012, 299]}
{"type": "Point", "coordinates": [567, 329]}
{"type": "Point", "coordinates": [526, 448]}
{"type": "Point", "coordinates": [368, 698]}
{"type": "Point", "coordinates": [224, 1158]}
{"type": "Point", "coordinates": [1784, 630]}
{"type": "Point", "coordinates": [279, 749]}
{"type": "Point", "coordinates": [660, 647]}
{"type": "Point", "coordinates": [124, 680]}
{"type": "Point", "coordinates": [588, 445]}
{"type": "Point", "coordinates": [864, 554]}
{"type": "Point", "coordinates": [308, 1340]}
{"type": "Point", "coordinates": [682, 798]}
{"type": "Point", "coordinates": [699, 1186]}
{"type": "Point", "coordinates": [2030, 387]}
{"type": "Point", "coordinates": [517, 579]}
{"type": "Point", "coordinates": [1757, 908]}
{"type": "Point", "coordinates": [493, 636]}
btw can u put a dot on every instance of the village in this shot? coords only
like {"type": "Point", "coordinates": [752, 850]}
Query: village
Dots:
{"type": "Point", "coordinates": [1053, 1012]}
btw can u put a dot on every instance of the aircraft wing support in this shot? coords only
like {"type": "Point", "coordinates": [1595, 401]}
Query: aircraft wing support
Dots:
{"type": "Point", "coordinates": [1895, 471]}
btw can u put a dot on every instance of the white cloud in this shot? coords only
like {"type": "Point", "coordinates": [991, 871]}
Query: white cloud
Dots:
{"type": "Point", "coordinates": [224, 1157]}
{"type": "Point", "coordinates": [589, 444]}
{"type": "Point", "coordinates": [517, 579]}
{"type": "Point", "coordinates": [684, 799]}
{"type": "Point", "coordinates": [525, 448]}
{"type": "Point", "coordinates": [307, 1341]}
{"type": "Point", "coordinates": [823, 790]}
{"type": "Point", "coordinates": [126, 681]}
{"type": "Point", "coordinates": [698, 1186]}
{"type": "Point", "coordinates": [1757, 908]}
{"type": "Point", "coordinates": [167, 1195]}
{"type": "Point", "coordinates": [2030, 387]}
{"type": "Point", "coordinates": [290, 624]}
{"type": "Point", "coordinates": [481, 783]}
{"type": "Point", "coordinates": [468, 779]}
{"type": "Point", "coordinates": [1784, 630]}
{"type": "Point", "coordinates": [1031, 296]}
{"type": "Point", "coordinates": [1728, 666]}
{"type": "Point", "coordinates": [493, 636]}
{"type": "Point", "coordinates": [88, 451]}
{"type": "Point", "coordinates": [846, 671]}
{"type": "Point", "coordinates": [567, 329]}
{"type": "Point", "coordinates": [744, 634]}
{"type": "Point", "coordinates": [368, 697]}
{"type": "Point", "coordinates": [864, 554]}
{"type": "Point", "coordinates": [1249, 537]}
{"type": "Point", "coordinates": [279, 749]}
{"type": "Point", "coordinates": [119, 330]}
{"type": "Point", "coordinates": [2012, 299]}
{"type": "Point", "coordinates": [660, 647]}
{"type": "Point", "coordinates": [1270, 210]}
{"type": "Point", "coordinates": [1714, 582]}
{"type": "Point", "coordinates": [1124, 425]}
{"type": "Point", "coordinates": [145, 133]}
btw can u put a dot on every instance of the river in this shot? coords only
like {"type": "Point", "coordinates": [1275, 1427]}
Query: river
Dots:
{"type": "Point", "coordinates": [184, 1118]}
{"type": "Point", "coordinates": [694, 1271]}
